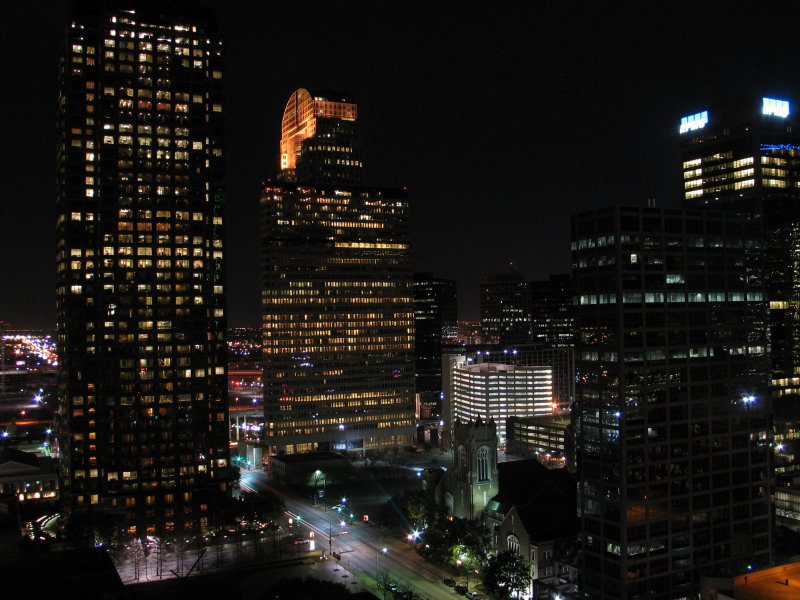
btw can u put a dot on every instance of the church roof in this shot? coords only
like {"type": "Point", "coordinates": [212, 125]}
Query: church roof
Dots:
{"type": "Point", "coordinates": [544, 498]}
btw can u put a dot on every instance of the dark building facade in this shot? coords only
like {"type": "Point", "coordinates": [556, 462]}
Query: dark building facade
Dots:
{"type": "Point", "coordinates": [140, 299]}
{"type": "Point", "coordinates": [673, 436]}
{"type": "Point", "coordinates": [435, 314]}
{"type": "Point", "coordinates": [506, 308]}
{"type": "Point", "coordinates": [337, 295]}
{"type": "Point", "coordinates": [552, 311]}
{"type": "Point", "coordinates": [746, 157]}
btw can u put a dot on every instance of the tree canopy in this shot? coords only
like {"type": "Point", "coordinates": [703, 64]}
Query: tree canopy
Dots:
{"type": "Point", "coordinates": [506, 573]}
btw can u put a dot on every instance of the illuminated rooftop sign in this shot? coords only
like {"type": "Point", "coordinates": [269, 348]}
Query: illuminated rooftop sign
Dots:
{"type": "Point", "coordinates": [778, 108]}
{"type": "Point", "coordinates": [692, 122]}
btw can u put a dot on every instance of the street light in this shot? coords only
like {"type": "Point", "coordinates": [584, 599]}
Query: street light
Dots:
{"type": "Point", "coordinates": [317, 474]}
{"type": "Point", "coordinates": [377, 555]}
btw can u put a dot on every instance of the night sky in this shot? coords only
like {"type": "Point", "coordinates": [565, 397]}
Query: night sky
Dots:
{"type": "Point", "coordinates": [501, 118]}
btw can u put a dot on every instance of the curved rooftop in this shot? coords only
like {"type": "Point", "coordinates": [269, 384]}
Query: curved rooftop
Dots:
{"type": "Point", "coordinates": [300, 119]}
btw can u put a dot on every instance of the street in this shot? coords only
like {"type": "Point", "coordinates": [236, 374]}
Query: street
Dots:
{"type": "Point", "coordinates": [361, 548]}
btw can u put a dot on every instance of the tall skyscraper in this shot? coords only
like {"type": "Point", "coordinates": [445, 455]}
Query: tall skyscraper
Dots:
{"type": "Point", "coordinates": [336, 291]}
{"type": "Point", "coordinates": [319, 139]}
{"type": "Point", "coordinates": [673, 405]}
{"type": "Point", "coordinates": [140, 300]}
{"type": "Point", "coordinates": [435, 316]}
{"type": "Point", "coordinates": [506, 308]}
{"type": "Point", "coordinates": [746, 157]}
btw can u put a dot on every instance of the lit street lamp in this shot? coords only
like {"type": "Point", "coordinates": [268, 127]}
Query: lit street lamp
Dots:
{"type": "Point", "coordinates": [317, 475]}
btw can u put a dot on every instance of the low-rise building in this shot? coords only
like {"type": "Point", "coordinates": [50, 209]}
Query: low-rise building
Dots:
{"type": "Point", "coordinates": [27, 477]}
{"type": "Point", "coordinates": [499, 391]}
{"type": "Point", "coordinates": [312, 470]}
{"type": "Point", "coordinates": [550, 439]}
{"type": "Point", "coordinates": [534, 515]}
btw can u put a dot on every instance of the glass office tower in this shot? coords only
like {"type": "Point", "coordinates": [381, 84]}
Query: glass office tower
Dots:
{"type": "Point", "coordinates": [337, 296]}
{"type": "Point", "coordinates": [745, 156]}
{"type": "Point", "coordinates": [673, 404]}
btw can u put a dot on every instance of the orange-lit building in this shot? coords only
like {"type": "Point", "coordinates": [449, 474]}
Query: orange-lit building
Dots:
{"type": "Point", "coordinates": [319, 139]}
{"type": "Point", "coordinates": [338, 320]}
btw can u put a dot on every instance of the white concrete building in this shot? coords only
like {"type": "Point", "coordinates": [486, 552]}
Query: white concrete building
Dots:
{"type": "Point", "coordinates": [498, 391]}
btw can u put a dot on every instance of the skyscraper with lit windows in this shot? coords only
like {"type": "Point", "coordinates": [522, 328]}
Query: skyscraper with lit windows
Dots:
{"type": "Point", "coordinates": [337, 297]}
{"type": "Point", "coordinates": [674, 437]}
{"type": "Point", "coordinates": [140, 273]}
{"type": "Point", "coordinates": [745, 156]}
{"type": "Point", "coordinates": [506, 308]}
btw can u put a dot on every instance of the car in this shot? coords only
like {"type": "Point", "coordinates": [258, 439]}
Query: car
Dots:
{"type": "Point", "coordinates": [474, 595]}
{"type": "Point", "coordinates": [449, 581]}
{"type": "Point", "coordinates": [460, 589]}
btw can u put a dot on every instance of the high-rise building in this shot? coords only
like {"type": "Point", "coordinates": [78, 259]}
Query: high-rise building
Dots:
{"type": "Point", "coordinates": [746, 157]}
{"type": "Point", "coordinates": [673, 404]}
{"type": "Point", "coordinates": [552, 311]}
{"type": "Point", "coordinates": [319, 139]}
{"type": "Point", "coordinates": [435, 317]}
{"type": "Point", "coordinates": [506, 308]}
{"type": "Point", "coordinates": [140, 299]}
{"type": "Point", "coordinates": [337, 304]}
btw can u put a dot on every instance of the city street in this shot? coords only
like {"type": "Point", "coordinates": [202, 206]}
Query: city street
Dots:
{"type": "Point", "coordinates": [362, 546]}
{"type": "Point", "coordinates": [368, 559]}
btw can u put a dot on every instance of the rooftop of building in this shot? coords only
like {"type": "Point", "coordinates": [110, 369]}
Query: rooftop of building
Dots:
{"type": "Point", "coordinates": [86, 573]}
{"type": "Point", "coordinates": [555, 419]}
{"type": "Point", "coordinates": [330, 96]}
{"type": "Point", "coordinates": [489, 367]}
{"type": "Point", "coordinates": [158, 12]}
{"type": "Point", "coordinates": [775, 583]}
{"type": "Point", "coordinates": [308, 457]}
{"type": "Point", "coordinates": [544, 498]}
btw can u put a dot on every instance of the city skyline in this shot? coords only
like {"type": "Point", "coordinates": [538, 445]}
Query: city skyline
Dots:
{"type": "Point", "coordinates": [501, 122]}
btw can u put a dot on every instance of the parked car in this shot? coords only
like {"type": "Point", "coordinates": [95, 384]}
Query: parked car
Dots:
{"type": "Point", "coordinates": [461, 589]}
{"type": "Point", "coordinates": [449, 581]}
{"type": "Point", "coordinates": [474, 595]}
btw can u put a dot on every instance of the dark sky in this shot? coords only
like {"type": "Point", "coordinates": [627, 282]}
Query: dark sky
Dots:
{"type": "Point", "coordinates": [501, 118]}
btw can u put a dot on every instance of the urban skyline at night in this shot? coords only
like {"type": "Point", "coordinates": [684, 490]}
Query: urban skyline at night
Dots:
{"type": "Point", "coordinates": [492, 261]}
{"type": "Point", "coordinates": [530, 116]}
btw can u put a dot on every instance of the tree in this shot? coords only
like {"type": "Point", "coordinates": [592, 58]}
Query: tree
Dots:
{"type": "Point", "coordinates": [260, 506]}
{"type": "Point", "coordinates": [460, 540]}
{"type": "Point", "coordinates": [506, 573]}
